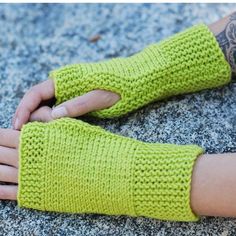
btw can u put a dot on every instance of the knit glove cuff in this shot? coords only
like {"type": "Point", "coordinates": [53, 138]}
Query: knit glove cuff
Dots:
{"type": "Point", "coordinates": [186, 62]}
{"type": "Point", "coordinates": [71, 166]}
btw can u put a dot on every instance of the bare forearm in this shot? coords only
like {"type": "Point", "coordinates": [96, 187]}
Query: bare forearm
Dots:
{"type": "Point", "coordinates": [214, 185]}
{"type": "Point", "coordinates": [225, 32]}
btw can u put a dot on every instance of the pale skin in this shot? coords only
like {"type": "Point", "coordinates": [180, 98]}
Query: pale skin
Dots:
{"type": "Point", "coordinates": [213, 186]}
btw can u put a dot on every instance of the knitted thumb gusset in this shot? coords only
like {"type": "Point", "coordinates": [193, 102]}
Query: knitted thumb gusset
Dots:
{"type": "Point", "coordinates": [70, 166]}
{"type": "Point", "coordinates": [186, 62]}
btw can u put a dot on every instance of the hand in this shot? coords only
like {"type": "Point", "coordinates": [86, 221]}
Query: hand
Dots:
{"type": "Point", "coordinates": [9, 141]}
{"type": "Point", "coordinates": [31, 108]}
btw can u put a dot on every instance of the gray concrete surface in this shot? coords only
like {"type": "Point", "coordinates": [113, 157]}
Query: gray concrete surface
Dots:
{"type": "Point", "coordinates": [37, 38]}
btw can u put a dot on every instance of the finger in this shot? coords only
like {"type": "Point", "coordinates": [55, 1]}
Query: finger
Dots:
{"type": "Point", "coordinates": [9, 138]}
{"type": "Point", "coordinates": [8, 192]}
{"type": "Point", "coordinates": [43, 114]}
{"type": "Point", "coordinates": [31, 101]}
{"type": "Point", "coordinates": [8, 174]}
{"type": "Point", "coordinates": [91, 101]}
{"type": "Point", "coordinates": [9, 156]}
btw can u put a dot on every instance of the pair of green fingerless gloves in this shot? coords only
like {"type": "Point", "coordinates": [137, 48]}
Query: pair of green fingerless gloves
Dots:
{"type": "Point", "coordinates": [70, 166]}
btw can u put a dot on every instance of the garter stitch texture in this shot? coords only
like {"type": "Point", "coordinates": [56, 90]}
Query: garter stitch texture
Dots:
{"type": "Point", "coordinates": [70, 166]}
{"type": "Point", "coordinates": [186, 62]}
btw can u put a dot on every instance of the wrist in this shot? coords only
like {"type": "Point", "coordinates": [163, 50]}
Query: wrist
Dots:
{"type": "Point", "coordinates": [224, 31]}
{"type": "Point", "coordinates": [213, 181]}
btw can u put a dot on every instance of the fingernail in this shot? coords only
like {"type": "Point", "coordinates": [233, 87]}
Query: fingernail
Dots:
{"type": "Point", "coordinates": [16, 125]}
{"type": "Point", "coordinates": [59, 112]}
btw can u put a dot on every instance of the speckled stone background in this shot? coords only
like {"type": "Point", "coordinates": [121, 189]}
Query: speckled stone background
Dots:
{"type": "Point", "coordinates": [37, 38]}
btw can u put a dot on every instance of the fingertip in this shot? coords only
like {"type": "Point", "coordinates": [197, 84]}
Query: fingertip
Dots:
{"type": "Point", "coordinates": [17, 124]}
{"type": "Point", "coordinates": [20, 120]}
{"type": "Point", "coordinates": [59, 112]}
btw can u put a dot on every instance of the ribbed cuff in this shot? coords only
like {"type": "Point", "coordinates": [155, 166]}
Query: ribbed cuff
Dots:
{"type": "Point", "coordinates": [162, 181]}
{"type": "Point", "coordinates": [33, 149]}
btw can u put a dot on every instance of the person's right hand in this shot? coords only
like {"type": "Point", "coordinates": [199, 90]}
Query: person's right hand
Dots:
{"type": "Point", "coordinates": [31, 108]}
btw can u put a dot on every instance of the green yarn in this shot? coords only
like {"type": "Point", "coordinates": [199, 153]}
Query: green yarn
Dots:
{"type": "Point", "coordinates": [70, 166]}
{"type": "Point", "coordinates": [186, 62]}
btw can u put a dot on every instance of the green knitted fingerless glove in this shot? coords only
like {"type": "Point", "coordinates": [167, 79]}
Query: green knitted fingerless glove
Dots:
{"type": "Point", "coordinates": [186, 62]}
{"type": "Point", "coordinates": [70, 166]}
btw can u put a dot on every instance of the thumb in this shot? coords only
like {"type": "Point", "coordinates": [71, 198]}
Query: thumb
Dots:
{"type": "Point", "coordinates": [91, 101]}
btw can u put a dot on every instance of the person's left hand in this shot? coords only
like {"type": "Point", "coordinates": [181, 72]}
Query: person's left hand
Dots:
{"type": "Point", "coordinates": [9, 159]}
{"type": "Point", "coordinates": [34, 104]}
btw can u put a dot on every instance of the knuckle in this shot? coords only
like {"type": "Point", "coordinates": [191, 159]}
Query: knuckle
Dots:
{"type": "Point", "coordinates": [108, 98]}
{"type": "Point", "coordinates": [2, 134]}
{"type": "Point", "coordinates": [76, 107]}
{"type": "Point", "coordinates": [3, 193]}
{"type": "Point", "coordinates": [34, 89]}
{"type": "Point", "coordinates": [30, 93]}
{"type": "Point", "coordinates": [31, 96]}
{"type": "Point", "coordinates": [78, 104]}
